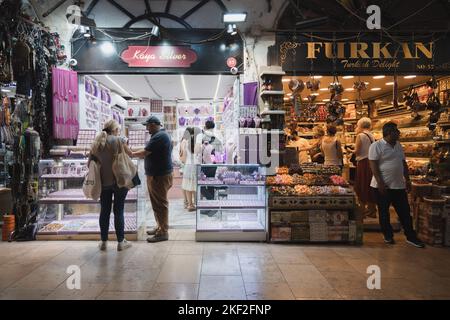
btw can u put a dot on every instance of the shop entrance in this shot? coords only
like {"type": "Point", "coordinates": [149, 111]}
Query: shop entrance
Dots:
{"type": "Point", "coordinates": [180, 102]}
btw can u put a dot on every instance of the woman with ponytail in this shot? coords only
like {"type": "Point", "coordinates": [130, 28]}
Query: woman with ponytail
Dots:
{"type": "Point", "coordinates": [105, 146]}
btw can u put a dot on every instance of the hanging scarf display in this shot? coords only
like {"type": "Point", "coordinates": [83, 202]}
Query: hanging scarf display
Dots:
{"type": "Point", "coordinates": [65, 104]}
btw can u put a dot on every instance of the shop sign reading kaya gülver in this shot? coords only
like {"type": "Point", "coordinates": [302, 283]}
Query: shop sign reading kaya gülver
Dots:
{"type": "Point", "coordinates": [369, 54]}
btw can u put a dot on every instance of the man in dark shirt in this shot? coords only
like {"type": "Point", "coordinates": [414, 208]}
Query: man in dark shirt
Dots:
{"type": "Point", "coordinates": [158, 169]}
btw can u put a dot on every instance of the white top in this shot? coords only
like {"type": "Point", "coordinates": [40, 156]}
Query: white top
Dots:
{"type": "Point", "coordinates": [390, 161]}
{"type": "Point", "coordinates": [301, 143]}
{"type": "Point", "coordinates": [330, 151]}
{"type": "Point", "coordinates": [190, 157]}
{"type": "Point", "coordinates": [364, 145]}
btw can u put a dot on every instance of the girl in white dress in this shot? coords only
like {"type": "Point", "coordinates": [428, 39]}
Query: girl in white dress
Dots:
{"type": "Point", "coordinates": [189, 183]}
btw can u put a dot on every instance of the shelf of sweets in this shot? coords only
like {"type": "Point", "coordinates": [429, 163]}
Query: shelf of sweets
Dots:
{"type": "Point", "coordinates": [308, 191]}
{"type": "Point", "coordinates": [307, 179]}
{"type": "Point", "coordinates": [314, 168]}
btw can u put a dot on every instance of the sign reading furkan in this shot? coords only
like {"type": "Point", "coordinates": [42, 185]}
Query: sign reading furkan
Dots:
{"type": "Point", "coordinates": [369, 54]}
{"type": "Point", "coordinates": [159, 56]}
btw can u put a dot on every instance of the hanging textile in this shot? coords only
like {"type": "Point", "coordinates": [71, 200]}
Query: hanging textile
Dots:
{"type": "Point", "coordinates": [251, 94]}
{"type": "Point", "coordinates": [65, 104]}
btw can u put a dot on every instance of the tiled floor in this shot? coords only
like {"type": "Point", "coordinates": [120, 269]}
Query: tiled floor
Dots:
{"type": "Point", "coordinates": [184, 269]}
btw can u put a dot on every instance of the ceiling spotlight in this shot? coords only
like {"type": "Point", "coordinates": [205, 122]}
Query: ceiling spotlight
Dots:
{"type": "Point", "coordinates": [349, 89]}
{"type": "Point", "coordinates": [234, 17]}
{"type": "Point", "coordinates": [409, 77]}
{"type": "Point", "coordinates": [389, 83]}
{"type": "Point", "coordinates": [314, 94]}
{"type": "Point", "coordinates": [317, 77]}
{"type": "Point", "coordinates": [87, 32]}
{"type": "Point", "coordinates": [155, 31]}
{"type": "Point", "coordinates": [375, 89]}
{"type": "Point", "coordinates": [347, 77]}
{"type": "Point", "coordinates": [345, 99]}
{"type": "Point", "coordinates": [323, 89]}
{"type": "Point", "coordinates": [378, 77]}
{"type": "Point", "coordinates": [234, 30]}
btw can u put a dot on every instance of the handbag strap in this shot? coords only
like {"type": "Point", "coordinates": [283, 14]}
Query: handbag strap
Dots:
{"type": "Point", "coordinates": [370, 139]}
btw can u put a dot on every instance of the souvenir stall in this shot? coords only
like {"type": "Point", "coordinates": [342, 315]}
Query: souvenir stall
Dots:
{"type": "Point", "coordinates": [27, 53]}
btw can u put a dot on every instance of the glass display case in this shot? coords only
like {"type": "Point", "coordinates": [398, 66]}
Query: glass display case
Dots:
{"type": "Point", "coordinates": [231, 203]}
{"type": "Point", "coordinates": [64, 211]}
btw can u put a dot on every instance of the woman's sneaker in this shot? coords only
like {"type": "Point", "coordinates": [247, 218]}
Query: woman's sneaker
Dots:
{"type": "Point", "coordinates": [123, 245]}
{"type": "Point", "coordinates": [102, 246]}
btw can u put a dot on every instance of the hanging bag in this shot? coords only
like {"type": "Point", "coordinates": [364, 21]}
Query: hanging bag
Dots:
{"type": "Point", "coordinates": [124, 169]}
{"type": "Point", "coordinates": [92, 185]}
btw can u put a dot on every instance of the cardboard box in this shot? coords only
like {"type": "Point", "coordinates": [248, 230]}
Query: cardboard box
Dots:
{"type": "Point", "coordinates": [317, 216]}
{"type": "Point", "coordinates": [300, 216]}
{"type": "Point", "coordinates": [281, 234]}
{"type": "Point", "coordinates": [280, 216]}
{"type": "Point", "coordinates": [300, 232]}
{"type": "Point", "coordinates": [337, 218]}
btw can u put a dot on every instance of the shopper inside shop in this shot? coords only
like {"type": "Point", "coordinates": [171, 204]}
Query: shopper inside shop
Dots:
{"type": "Point", "coordinates": [190, 161]}
{"type": "Point", "coordinates": [105, 147]}
{"type": "Point", "coordinates": [158, 169]}
{"type": "Point", "coordinates": [206, 145]}
{"type": "Point", "coordinates": [302, 145]}
{"type": "Point", "coordinates": [363, 177]}
{"type": "Point", "coordinates": [391, 183]}
{"type": "Point", "coordinates": [331, 148]}
{"type": "Point", "coordinates": [315, 151]}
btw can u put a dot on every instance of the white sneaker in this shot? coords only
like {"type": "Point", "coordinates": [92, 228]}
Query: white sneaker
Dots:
{"type": "Point", "coordinates": [123, 245]}
{"type": "Point", "coordinates": [102, 246]}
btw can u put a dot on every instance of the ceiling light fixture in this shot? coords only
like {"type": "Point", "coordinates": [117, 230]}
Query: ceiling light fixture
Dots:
{"type": "Point", "coordinates": [325, 100]}
{"type": "Point", "coordinates": [317, 77]}
{"type": "Point", "coordinates": [234, 30]}
{"type": "Point", "coordinates": [217, 87]}
{"type": "Point", "coordinates": [389, 83]}
{"type": "Point", "coordinates": [184, 87]}
{"type": "Point", "coordinates": [378, 77]}
{"type": "Point", "coordinates": [234, 17]}
{"type": "Point", "coordinates": [155, 31]}
{"type": "Point", "coordinates": [119, 86]}
{"type": "Point", "coordinates": [314, 94]}
{"type": "Point", "coordinates": [375, 89]}
{"type": "Point", "coordinates": [289, 94]}
{"type": "Point", "coordinates": [347, 77]}
{"type": "Point", "coordinates": [323, 89]}
{"type": "Point", "coordinates": [345, 99]}
{"type": "Point", "coordinates": [6, 90]}
{"type": "Point", "coordinates": [349, 89]}
{"type": "Point", "coordinates": [409, 77]}
{"type": "Point", "coordinates": [286, 80]}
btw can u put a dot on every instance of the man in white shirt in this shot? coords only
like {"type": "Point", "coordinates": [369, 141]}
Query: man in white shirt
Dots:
{"type": "Point", "coordinates": [391, 183]}
{"type": "Point", "coordinates": [302, 145]}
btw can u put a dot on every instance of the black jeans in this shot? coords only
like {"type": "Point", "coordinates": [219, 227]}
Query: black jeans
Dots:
{"type": "Point", "coordinates": [106, 202]}
{"type": "Point", "coordinates": [208, 192]}
{"type": "Point", "coordinates": [399, 199]}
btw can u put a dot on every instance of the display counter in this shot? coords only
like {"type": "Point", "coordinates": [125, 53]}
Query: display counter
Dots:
{"type": "Point", "coordinates": [312, 203]}
{"type": "Point", "coordinates": [231, 203]}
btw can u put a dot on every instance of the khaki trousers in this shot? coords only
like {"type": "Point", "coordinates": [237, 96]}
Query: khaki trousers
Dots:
{"type": "Point", "coordinates": [158, 187]}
